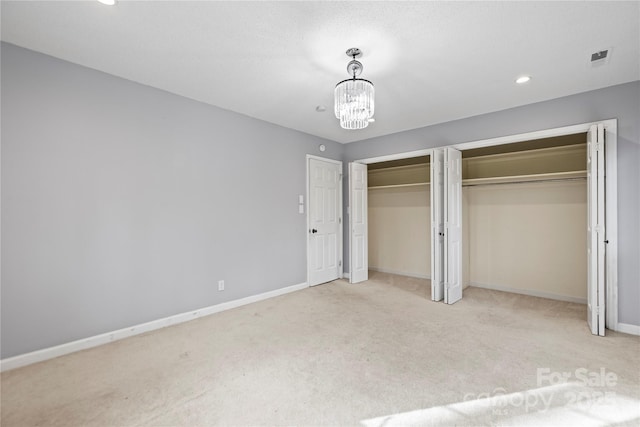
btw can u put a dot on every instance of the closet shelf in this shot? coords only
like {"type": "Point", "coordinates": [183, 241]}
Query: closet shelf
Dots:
{"type": "Point", "coordinates": [413, 184]}
{"type": "Point", "coordinates": [515, 179]}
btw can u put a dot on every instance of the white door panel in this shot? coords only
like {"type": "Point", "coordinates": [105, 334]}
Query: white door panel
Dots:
{"type": "Point", "coordinates": [596, 230]}
{"type": "Point", "coordinates": [601, 231]}
{"type": "Point", "coordinates": [453, 226]}
{"type": "Point", "coordinates": [324, 224]}
{"type": "Point", "coordinates": [437, 225]}
{"type": "Point", "coordinates": [358, 222]}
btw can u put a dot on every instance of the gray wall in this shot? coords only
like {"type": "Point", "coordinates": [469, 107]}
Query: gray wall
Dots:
{"type": "Point", "coordinates": [123, 204]}
{"type": "Point", "coordinates": [621, 102]}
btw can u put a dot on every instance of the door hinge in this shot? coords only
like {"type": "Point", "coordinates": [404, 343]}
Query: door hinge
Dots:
{"type": "Point", "coordinates": [339, 220]}
{"type": "Point", "coordinates": [340, 177]}
{"type": "Point", "coordinates": [340, 263]}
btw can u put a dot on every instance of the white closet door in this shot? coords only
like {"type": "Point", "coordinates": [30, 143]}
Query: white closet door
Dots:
{"type": "Point", "coordinates": [437, 224]}
{"type": "Point", "coordinates": [453, 226]}
{"type": "Point", "coordinates": [358, 238]}
{"type": "Point", "coordinates": [596, 230]}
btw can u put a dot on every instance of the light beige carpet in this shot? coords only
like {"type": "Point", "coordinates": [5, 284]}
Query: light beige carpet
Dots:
{"type": "Point", "coordinates": [378, 353]}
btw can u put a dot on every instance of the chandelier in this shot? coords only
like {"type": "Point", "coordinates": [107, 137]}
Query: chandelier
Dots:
{"type": "Point", "coordinates": [354, 98]}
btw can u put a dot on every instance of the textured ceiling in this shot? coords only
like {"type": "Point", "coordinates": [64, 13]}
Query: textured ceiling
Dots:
{"type": "Point", "coordinates": [430, 62]}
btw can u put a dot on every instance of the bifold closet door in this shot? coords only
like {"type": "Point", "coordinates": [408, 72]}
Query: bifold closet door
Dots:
{"type": "Point", "coordinates": [358, 241]}
{"type": "Point", "coordinates": [453, 226]}
{"type": "Point", "coordinates": [596, 236]}
{"type": "Point", "coordinates": [437, 225]}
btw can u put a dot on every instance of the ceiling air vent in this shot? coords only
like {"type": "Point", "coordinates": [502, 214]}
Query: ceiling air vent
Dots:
{"type": "Point", "coordinates": [600, 57]}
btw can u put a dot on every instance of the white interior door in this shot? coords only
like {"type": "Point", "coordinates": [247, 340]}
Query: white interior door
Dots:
{"type": "Point", "coordinates": [453, 226]}
{"type": "Point", "coordinates": [358, 239]}
{"type": "Point", "coordinates": [324, 221]}
{"type": "Point", "coordinates": [437, 225]}
{"type": "Point", "coordinates": [596, 230]}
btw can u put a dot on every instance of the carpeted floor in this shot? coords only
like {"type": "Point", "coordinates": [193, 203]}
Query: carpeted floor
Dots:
{"type": "Point", "coordinates": [378, 353]}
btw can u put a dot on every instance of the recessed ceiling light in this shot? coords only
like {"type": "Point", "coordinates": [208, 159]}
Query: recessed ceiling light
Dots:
{"type": "Point", "coordinates": [523, 79]}
{"type": "Point", "coordinates": [321, 108]}
{"type": "Point", "coordinates": [108, 2]}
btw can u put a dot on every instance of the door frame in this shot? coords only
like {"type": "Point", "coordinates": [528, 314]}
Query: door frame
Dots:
{"type": "Point", "coordinates": [397, 156]}
{"type": "Point", "coordinates": [340, 243]}
{"type": "Point", "coordinates": [611, 196]}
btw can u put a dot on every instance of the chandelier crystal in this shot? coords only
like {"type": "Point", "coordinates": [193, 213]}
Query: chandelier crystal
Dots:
{"type": "Point", "coordinates": [354, 97]}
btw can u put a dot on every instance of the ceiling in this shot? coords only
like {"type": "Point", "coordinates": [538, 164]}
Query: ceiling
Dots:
{"type": "Point", "coordinates": [430, 62]}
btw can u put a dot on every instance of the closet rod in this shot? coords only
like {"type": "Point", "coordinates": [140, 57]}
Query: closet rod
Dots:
{"type": "Point", "coordinates": [526, 181]}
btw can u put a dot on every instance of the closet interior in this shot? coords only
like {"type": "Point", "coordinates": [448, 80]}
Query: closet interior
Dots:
{"type": "Point", "coordinates": [525, 217]}
{"type": "Point", "coordinates": [399, 215]}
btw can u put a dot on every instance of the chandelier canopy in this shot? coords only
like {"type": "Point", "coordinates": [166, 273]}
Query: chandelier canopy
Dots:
{"type": "Point", "coordinates": [354, 98]}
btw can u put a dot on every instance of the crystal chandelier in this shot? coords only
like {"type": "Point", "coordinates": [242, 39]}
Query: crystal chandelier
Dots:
{"type": "Point", "coordinates": [354, 103]}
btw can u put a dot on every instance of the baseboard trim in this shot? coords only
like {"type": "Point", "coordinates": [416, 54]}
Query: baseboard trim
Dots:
{"type": "Point", "coordinates": [401, 273]}
{"type": "Point", "coordinates": [346, 275]}
{"type": "Point", "coordinates": [97, 340]}
{"type": "Point", "coordinates": [530, 292]}
{"type": "Point", "coordinates": [628, 328]}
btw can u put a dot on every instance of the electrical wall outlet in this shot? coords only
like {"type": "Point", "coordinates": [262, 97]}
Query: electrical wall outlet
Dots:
{"type": "Point", "coordinates": [221, 285]}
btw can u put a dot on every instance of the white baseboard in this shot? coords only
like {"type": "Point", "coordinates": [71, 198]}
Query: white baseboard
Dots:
{"type": "Point", "coordinates": [530, 292]}
{"type": "Point", "coordinates": [401, 273]}
{"type": "Point", "coordinates": [96, 340]}
{"type": "Point", "coordinates": [628, 328]}
{"type": "Point", "coordinates": [346, 275]}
